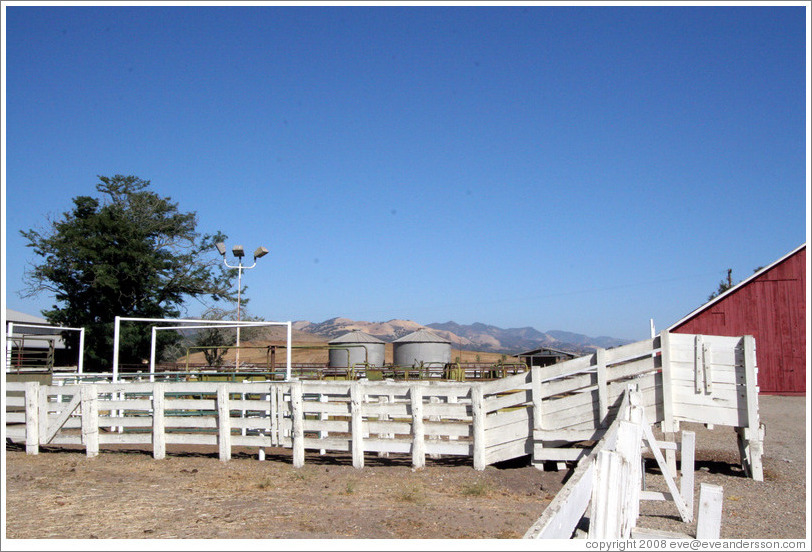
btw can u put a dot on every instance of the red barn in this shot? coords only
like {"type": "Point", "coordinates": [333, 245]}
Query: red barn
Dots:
{"type": "Point", "coordinates": [771, 306]}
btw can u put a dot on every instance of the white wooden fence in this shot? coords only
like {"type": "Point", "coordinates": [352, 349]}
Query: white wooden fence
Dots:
{"type": "Point", "coordinates": [555, 413]}
{"type": "Point", "coordinates": [489, 422]}
{"type": "Point", "coordinates": [681, 378]}
{"type": "Point", "coordinates": [605, 487]}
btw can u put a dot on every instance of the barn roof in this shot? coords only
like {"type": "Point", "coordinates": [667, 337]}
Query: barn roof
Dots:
{"type": "Point", "coordinates": [547, 349]}
{"type": "Point", "coordinates": [733, 289]}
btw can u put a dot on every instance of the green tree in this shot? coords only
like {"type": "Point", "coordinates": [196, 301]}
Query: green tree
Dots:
{"type": "Point", "coordinates": [218, 341]}
{"type": "Point", "coordinates": [130, 252]}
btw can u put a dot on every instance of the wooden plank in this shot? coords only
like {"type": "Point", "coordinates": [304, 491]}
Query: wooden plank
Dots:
{"type": "Point", "coordinates": [298, 426]}
{"type": "Point", "coordinates": [703, 414]}
{"type": "Point", "coordinates": [15, 401]}
{"type": "Point", "coordinates": [31, 417]}
{"type": "Point", "coordinates": [356, 397]}
{"type": "Point", "coordinates": [504, 418]}
{"type": "Point", "coordinates": [158, 427]}
{"type": "Point", "coordinates": [510, 432]}
{"type": "Point", "coordinates": [541, 454]}
{"type": "Point", "coordinates": [418, 437]}
{"type": "Point", "coordinates": [135, 405]}
{"type": "Point", "coordinates": [335, 426]}
{"type": "Point", "coordinates": [687, 516]}
{"type": "Point", "coordinates": [686, 484]}
{"type": "Point", "coordinates": [179, 404]}
{"type": "Point", "coordinates": [667, 378]}
{"type": "Point", "coordinates": [447, 429]}
{"type": "Point", "coordinates": [635, 350]}
{"type": "Point", "coordinates": [567, 368]}
{"type": "Point", "coordinates": [519, 381]}
{"type": "Point", "coordinates": [15, 386]}
{"type": "Point", "coordinates": [15, 417]}
{"type": "Point", "coordinates": [606, 505]}
{"type": "Point", "coordinates": [536, 386]}
{"type": "Point", "coordinates": [90, 420]}
{"type": "Point", "coordinates": [570, 435]}
{"type": "Point", "coordinates": [709, 517]}
{"type": "Point", "coordinates": [15, 433]}
{"type": "Point", "coordinates": [559, 519]}
{"type": "Point", "coordinates": [603, 399]}
{"type": "Point", "coordinates": [698, 361]}
{"type": "Point", "coordinates": [478, 429]}
{"type": "Point", "coordinates": [508, 451]}
{"type": "Point", "coordinates": [223, 422]}
{"type": "Point", "coordinates": [191, 439]}
{"type": "Point", "coordinates": [520, 398]}
{"type": "Point", "coordinates": [125, 438]}
{"type": "Point", "coordinates": [707, 376]}
{"type": "Point", "coordinates": [753, 436]}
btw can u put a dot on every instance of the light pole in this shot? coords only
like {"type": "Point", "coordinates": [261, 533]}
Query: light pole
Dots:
{"type": "Point", "coordinates": [239, 252]}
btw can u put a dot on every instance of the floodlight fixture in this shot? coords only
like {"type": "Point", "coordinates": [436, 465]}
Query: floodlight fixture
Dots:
{"type": "Point", "coordinates": [221, 248]}
{"type": "Point", "coordinates": [260, 252]}
{"type": "Point", "coordinates": [238, 251]}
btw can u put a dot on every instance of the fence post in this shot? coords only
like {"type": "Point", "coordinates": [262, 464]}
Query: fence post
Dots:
{"type": "Point", "coordinates": [158, 422]}
{"type": "Point", "coordinates": [223, 422]}
{"type": "Point", "coordinates": [607, 496]}
{"type": "Point", "coordinates": [90, 419]}
{"type": "Point", "coordinates": [478, 412]}
{"type": "Point", "coordinates": [357, 425]}
{"type": "Point", "coordinates": [535, 385]}
{"type": "Point", "coordinates": [298, 423]}
{"type": "Point", "coordinates": [32, 421]}
{"type": "Point", "coordinates": [668, 426]}
{"type": "Point", "coordinates": [42, 401]}
{"type": "Point", "coordinates": [603, 392]}
{"type": "Point", "coordinates": [418, 432]}
{"type": "Point", "coordinates": [686, 483]}
{"type": "Point", "coordinates": [752, 433]}
{"type": "Point", "coordinates": [709, 518]}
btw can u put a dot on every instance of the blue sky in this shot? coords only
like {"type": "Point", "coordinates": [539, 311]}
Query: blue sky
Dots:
{"type": "Point", "coordinates": [576, 168]}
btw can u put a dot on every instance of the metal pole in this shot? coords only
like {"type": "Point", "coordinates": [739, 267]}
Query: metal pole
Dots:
{"type": "Point", "coordinates": [81, 367]}
{"type": "Point", "coordinates": [239, 291]}
{"type": "Point", "coordinates": [116, 329]}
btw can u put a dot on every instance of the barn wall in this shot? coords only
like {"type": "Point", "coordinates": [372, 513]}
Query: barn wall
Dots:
{"type": "Point", "coordinates": [772, 308]}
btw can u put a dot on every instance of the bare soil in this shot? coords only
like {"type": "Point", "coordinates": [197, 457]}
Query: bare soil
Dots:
{"type": "Point", "coordinates": [125, 494]}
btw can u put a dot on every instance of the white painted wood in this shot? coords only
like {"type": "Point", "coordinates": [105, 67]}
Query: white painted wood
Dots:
{"type": "Point", "coordinates": [32, 417]}
{"type": "Point", "coordinates": [191, 439]}
{"type": "Point", "coordinates": [543, 454]}
{"type": "Point", "coordinates": [478, 411]}
{"type": "Point", "coordinates": [298, 426]}
{"type": "Point", "coordinates": [418, 437]}
{"type": "Point", "coordinates": [607, 498]}
{"type": "Point", "coordinates": [44, 410]}
{"type": "Point", "coordinates": [706, 368]}
{"type": "Point", "coordinates": [687, 516]}
{"type": "Point", "coordinates": [15, 418]}
{"type": "Point", "coordinates": [603, 398]}
{"type": "Point", "coordinates": [500, 419]}
{"type": "Point", "coordinates": [124, 439]}
{"type": "Point", "coordinates": [687, 469]}
{"type": "Point", "coordinates": [569, 435]}
{"type": "Point", "coordinates": [18, 402]}
{"type": "Point", "coordinates": [535, 380]}
{"type": "Point", "coordinates": [158, 427]}
{"type": "Point", "coordinates": [559, 519]}
{"type": "Point", "coordinates": [655, 495]}
{"type": "Point", "coordinates": [90, 420]}
{"type": "Point", "coordinates": [57, 422]}
{"type": "Point", "coordinates": [323, 416]}
{"type": "Point", "coordinates": [356, 394]}
{"type": "Point", "coordinates": [508, 450]}
{"type": "Point", "coordinates": [224, 422]}
{"type": "Point", "coordinates": [709, 518]}
{"type": "Point", "coordinates": [510, 432]}
{"type": "Point", "coordinates": [753, 436]}
{"type": "Point", "coordinates": [667, 378]}
{"type": "Point", "coordinates": [698, 362]}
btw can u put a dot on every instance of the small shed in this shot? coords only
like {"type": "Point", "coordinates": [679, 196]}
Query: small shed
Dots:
{"type": "Point", "coordinates": [770, 305]}
{"type": "Point", "coordinates": [544, 356]}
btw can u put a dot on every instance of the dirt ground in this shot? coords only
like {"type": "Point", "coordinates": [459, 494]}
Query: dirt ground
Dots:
{"type": "Point", "coordinates": [126, 494]}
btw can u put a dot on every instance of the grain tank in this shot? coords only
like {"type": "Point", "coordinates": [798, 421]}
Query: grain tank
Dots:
{"type": "Point", "coordinates": [356, 347]}
{"type": "Point", "coordinates": [419, 347]}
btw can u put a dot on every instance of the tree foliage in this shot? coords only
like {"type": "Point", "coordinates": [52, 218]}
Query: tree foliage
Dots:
{"type": "Point", "coordinates": [130, 252]}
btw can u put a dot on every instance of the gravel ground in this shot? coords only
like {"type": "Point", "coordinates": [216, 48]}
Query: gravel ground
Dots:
{"type": "Point", "coordinates": [125, 494]}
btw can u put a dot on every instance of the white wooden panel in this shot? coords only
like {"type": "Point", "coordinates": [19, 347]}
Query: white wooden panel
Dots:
{"type": "Point", "coordinates": [251, 441]}
{"type": "Point", "coordinates": [191, 439]}
{"type": "Point", "coordinates": [632, 351]}
{"type": "Point", "coordinates": [503, 434]}
{"type": "Point", "coordinates": [15, 386]}
{"type": "Point", "coordinates": [205, 422]}
{"type": "Point", "coordinates": [125, 405]}
{"type": "Point", "coordinates": [565, 511]}
{"type": "Point", "coordinates": [65, 439]}
{"type": "Point", "coordinates": [15, 417]}
{"type": "Point", "coordinates": [446, 429]}
{"type": "Point", "coordinates": [15, 401]}
{"type": "Point", "coordinates": [506, 451]}
{"type": "Point", "coordinates": [125, 438]}
{"type": "Point", "coordinates": [336, 426]}
{"type": "Point", "coordinates": [558, 454]}
{"type": "Point", "coordinates": [507, 401]}
{"type": "Point", "coordinates": [519, 381]}
{"type": "Point", "coordinates": [15, 432]}
{"type": "Point", "coordinates": [504, 418]}
{"type": "Point", "coordinates": [189, 404]}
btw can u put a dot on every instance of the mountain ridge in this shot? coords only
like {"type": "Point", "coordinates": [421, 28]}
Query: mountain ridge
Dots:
{"type": "Point", "coordinates": [473, 337]}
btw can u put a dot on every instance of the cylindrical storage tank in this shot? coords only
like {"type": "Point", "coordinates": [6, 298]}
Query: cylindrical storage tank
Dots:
{"type": "Point", "coordinates": [355, 347]}
{"type": "Point", "coordinates": [421, 346]}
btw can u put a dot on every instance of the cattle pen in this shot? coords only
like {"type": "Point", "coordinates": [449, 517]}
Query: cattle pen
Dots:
{"type": "Point", "coordinates": [553, 415]}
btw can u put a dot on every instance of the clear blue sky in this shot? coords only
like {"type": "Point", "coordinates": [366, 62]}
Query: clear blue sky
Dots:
{"type": "Point", "coordinates": [575, 168]}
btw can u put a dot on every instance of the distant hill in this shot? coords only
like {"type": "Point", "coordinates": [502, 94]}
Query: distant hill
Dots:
{"type": "Point", "coordinates": [473, 337]}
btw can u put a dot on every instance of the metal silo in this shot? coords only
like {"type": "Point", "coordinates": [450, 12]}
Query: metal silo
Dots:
{"type": "Point", "coordinates": [356, 347]}
{"type": "Point", "coordinates": [421, 346]}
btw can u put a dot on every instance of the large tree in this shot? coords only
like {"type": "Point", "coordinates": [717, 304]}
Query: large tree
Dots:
{"type": "Point", "coordinates": [130, 252]}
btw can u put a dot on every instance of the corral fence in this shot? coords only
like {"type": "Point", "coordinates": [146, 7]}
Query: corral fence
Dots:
{"type": "Point", "coordinates": [555, 413]}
